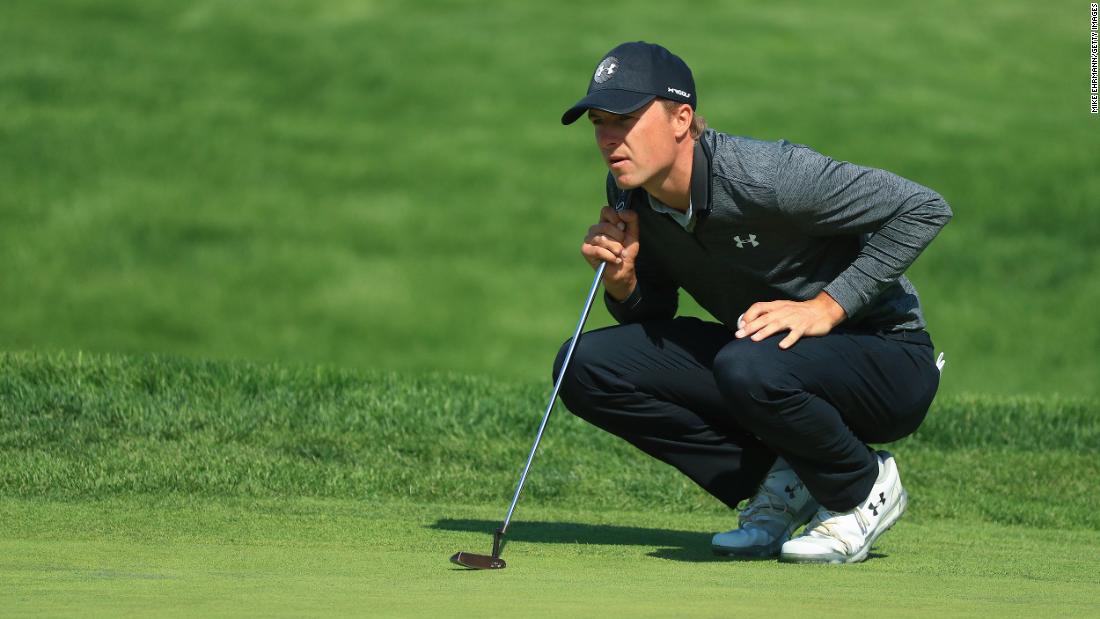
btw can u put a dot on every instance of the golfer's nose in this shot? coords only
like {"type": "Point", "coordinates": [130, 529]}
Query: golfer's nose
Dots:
{"type": "Point", "coordinates": [607, 139]}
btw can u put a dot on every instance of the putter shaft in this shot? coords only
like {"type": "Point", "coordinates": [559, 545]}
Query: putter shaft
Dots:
{"type": "Point", "coordinates": [549, 407]}
{"type": "Point", "coordinates": [494, 561]}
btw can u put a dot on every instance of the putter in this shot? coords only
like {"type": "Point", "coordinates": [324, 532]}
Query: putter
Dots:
{"type": "Point", "coordinates": [493, 561]}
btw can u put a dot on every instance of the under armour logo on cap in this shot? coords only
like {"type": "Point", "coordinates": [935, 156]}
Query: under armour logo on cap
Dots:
{"type": "Point", "coordinates": [630, 76]}
{"type": "Point", "coordinates": [606, 70]}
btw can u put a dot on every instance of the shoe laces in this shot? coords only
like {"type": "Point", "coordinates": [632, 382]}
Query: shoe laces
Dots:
{"type": "Point", "coordinates": [765, 503]}
{"type": "Point", "coordinates": [826, 523]}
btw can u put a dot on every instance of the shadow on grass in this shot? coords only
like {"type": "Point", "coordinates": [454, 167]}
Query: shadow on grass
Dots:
{"type": "Point", "coordinates": [674, 545]}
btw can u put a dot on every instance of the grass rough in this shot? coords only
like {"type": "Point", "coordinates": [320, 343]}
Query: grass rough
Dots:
{"type": "Point", "coordinates": [75, 426]}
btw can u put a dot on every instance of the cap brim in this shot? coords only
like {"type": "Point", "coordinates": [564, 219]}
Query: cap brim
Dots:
{"type": "Point", "coordinates": [608, 100]}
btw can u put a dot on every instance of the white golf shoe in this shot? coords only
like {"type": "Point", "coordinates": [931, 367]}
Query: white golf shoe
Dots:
{"type": "Point", "coordinates": [846, 537]}
{"type": "Point", "coordinates": [781, 505]}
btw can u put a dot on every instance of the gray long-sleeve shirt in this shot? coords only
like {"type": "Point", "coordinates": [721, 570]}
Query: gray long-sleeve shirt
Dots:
{"type": "Point", "coordinates": [780, 221]}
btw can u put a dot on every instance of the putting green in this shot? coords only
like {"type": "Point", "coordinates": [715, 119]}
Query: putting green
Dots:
{"type": "Point", "coordinates": [233, 557]}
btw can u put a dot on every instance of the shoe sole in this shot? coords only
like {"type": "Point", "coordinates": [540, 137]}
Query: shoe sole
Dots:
{"type": "Point", "coordinates": [753, 552]}
{"type": "Point", "coordinates": [835, 559]}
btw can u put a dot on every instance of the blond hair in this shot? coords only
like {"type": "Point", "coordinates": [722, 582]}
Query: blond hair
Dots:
{"type": "Point", "coordinates": [698, 123]}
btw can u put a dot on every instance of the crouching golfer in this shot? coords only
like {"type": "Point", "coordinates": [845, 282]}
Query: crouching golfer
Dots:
{"type": "Point", "coordinates": [831, 353]}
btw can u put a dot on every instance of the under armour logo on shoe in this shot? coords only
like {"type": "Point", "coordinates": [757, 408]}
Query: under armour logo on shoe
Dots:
{"type": "Point", "coordinates": [741, 244]}
{"type": "Point", "coordinates": [790, 491]}
{"type": "Point", "coordinates": [881, 501]}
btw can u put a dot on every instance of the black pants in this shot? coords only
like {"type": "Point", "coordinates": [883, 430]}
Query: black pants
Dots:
{"type": "Point", "coordinates": [721, 409]}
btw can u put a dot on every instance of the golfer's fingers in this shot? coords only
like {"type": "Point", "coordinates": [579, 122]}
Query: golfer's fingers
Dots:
{"type": "Point", "coordinates": [791, 338]}
{"type": "Point", "coordinates": [609, 230]}
{"type": "Point", "coordinates": [757, 310]}
{"type": "Point", "coordinates": [630, 218]}
{"type": "Point", "coordinates": [750, 326]}
{"type": "Point", "coordinates": [602, 240]}
{"type": "Point", "coordinates": [770, 329]}
{"type": "Point", "coordinates": [610, 215]}
{"type": "Point", "coordinates": [595, 254]}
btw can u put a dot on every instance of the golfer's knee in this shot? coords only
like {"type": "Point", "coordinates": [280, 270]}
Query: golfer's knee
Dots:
{"type": "Point", "coordinates": [573, 391]}
{"type": "Point", "coordinates": [749, 374]}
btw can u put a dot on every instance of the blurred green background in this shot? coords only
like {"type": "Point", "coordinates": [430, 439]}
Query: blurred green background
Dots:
{"type": "Point", "coordinates": [386, 184]}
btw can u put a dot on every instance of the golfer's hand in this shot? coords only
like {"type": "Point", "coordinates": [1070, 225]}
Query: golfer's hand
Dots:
{"type": "Point", "coordinates": [815, 317]}
{"type": "Point", "coordinates": [615, 241]}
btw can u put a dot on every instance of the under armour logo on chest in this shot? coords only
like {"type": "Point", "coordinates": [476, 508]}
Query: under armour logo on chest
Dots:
{"type": "Point", "coordinates": [741, 243]}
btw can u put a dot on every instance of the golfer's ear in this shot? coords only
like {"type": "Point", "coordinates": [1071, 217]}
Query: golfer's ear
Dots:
{"type": "Point", "coordinates": [681, 118]}
{"type": "Point", "coordinates": [684, 116]}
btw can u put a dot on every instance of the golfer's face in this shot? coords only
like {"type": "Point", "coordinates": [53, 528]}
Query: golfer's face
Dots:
{"type": "Point", "coordinates": [635, 146]}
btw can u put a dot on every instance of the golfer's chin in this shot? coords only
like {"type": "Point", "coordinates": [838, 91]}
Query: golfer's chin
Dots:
{"type": "Point", "coordinates": [626, 180]}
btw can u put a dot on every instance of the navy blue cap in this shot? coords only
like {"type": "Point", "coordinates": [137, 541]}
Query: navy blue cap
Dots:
{"type": "Point", "coordinates": [632, 75]}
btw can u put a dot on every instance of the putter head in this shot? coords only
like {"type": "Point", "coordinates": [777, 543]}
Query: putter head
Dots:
{"type": "Point", "coordinates": [478, 562]}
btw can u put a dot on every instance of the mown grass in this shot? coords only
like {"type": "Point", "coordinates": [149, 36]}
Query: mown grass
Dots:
{"type": "Point", "coordinates": [233, 557]}
{"type": "Point", "coordinates": [81, 426]}
{"type": "Point", "coordinates": [385, 184]}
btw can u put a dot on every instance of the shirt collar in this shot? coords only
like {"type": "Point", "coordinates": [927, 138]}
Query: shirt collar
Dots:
{"type": "Point", "coordinates": [700, 178]}
{"type": "Point", "coordinates": [684, 218]}
{"type": "Point", "coordinates": [699, 198]}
